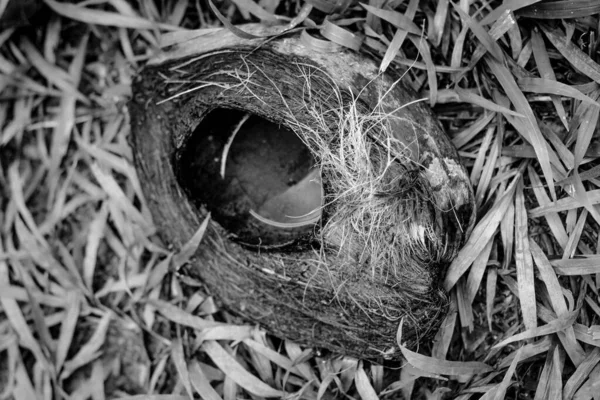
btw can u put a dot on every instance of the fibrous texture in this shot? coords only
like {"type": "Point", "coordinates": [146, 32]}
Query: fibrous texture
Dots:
{"type": "Point", "coordinates": [397, 202]}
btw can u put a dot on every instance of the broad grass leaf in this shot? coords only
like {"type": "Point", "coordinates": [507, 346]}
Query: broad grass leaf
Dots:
{"type": "Point", "coordinates": [443, 337]}
{"type": "Point", "coordinates": [575, 236]}
{"type": "Point", "coordinates": [483, 36]}
{"type": "Point", "coordinates": [550, 381]}
{"type": "Point", "coordinates": [585, 132]}
{"type": "Point", "coordinates": [556, 325]}
{"type": "Point", "coordinates": [226, 332]}
{"type": "Point", "coordinates": [256, 10]}
{"type": "Point", "coordinates": [67, 328]}
{"type": "Point", "coordinates": [577, 266]}
{"type": "Point", "coordinates": [437, 366]}
{"type": "Point", "coordinates": [481, 235]}
{"type": "Point", "coordinates": [552, 218]}
{"type": "Point", "coordinates": [470, 97]}
{"type": "Point", "coordinates": [490, 294]}
{"type": "Point", "coordinates": [581, 373]}
{"type": "Point", "coordinates": [591, 386]}
{"type": "Point", "coordinates": [91, 349]}
{"type": "Point", "coordinates": [546, 71]}
{"type": "Point", "coordinates": [153, 397]}
{"type": "Point", "coordinates": [105, 18]}
{"type": "Point", "coordinates": [341, 36]}
{"type": "Point", "coordinates": [561, 9]}
{"type": "Point", "coordinates": [272, 355]}
{"type": "Point", "coordinates": [585, 334]}
{"type": "Point", "coordinates": [179, 316]}
{"type": "Point", "coordinates": [476, 272]}
{"type": "Point", "coordinates": [503, 386]}
{"type": "Point", "coordinates": [439, 22]}
{"type": "Point", "coordinates": [572, 53]}
{"type": "Point", "coordinates": [508, 5]}
{"type": "Point", "coordinates": [363, 386]}
{"type": "Point", "coordinates": [531, 129]}
{"type": "Point", "coordinates": [189, 249]}
{"type": "Point", "coordinates": [94, 238]}
{"type": "Point", "coordinates": [178, 357]}
{"type": "Point", "coordinates": [528, 351]}
{"type": "Point", "coordinates": [523, 261]}
{"type": "Point", "coordinates": [425, 51]}
{"type": "Point", "coordinates": [465, 136]}
{"type": "Point", "coordinates": [232, 368]}
{"type": "Point", "coordinates": [399, 37]}
{"type": "Point", "coordinates": [201, 383]}
{"type": "Point", "coordinates": [395, 18]}
{"type": "Point", "coordinates": [557, 300]}
{"type": "Point", "coordinates": [548, 86]}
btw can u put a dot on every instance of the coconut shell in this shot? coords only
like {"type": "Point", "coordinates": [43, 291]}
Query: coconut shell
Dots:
{"type": "Point", "coordinates": [331, 303]}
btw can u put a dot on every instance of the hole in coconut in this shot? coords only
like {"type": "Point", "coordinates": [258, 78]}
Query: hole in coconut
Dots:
{"type": "Point", "coordinates": [257, 178]}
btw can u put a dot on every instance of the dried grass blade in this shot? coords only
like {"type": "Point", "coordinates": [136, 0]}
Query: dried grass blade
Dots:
{"type": "Point", "coordinates": [178, 357]}
{"type": "Point", "coordinates": [524, 262]}
{"type": "Point", "coordinates": [236, 372]}
{"type": "Point", "coordinates": [189, 249]}
{"type": "Point", "coordinates": [546, 71]}
{"type": "Point", "coordinates": [548, 86]}
{"type": "Point", "coordinates": [439, 22]}
{"type": "Point", "coordinates": [91, 349]}
{"type": "Point", "coordinates": [179, 316]}
{"type": "Point", "coordinates": [508, 5]}
{"type": "Point", "coordinates": [421, 44]}
{"type": "Point", "coordinates": [481, 235]}
{"type": "Point", "coordinates": [363, 386]}
{"type": "Point", "coordinates": [575, 235]}
{"type": "Point", "coordinates": [105, 18]}
{"type": "Point", "coordinates": [236, 333]}
{"type": "Point", "coordinates": [437, 366]}
{"type": "Point", "coordinates": [444, 335]}
{"type": "Point", "coordinates": [585, 132]}
{"type": "Point", "coordinates": [556, 325]}
{"type": "Point", "coordinates": [533, 134]}
{"type": "Point", "coordinates": [67, 328]}
{"type": "Point", "coordinates": [552, 218]}
{"type": "Point", "coordinates": [528, 351]}
{"type": "Point", "coordinates": [503, 386]}
{"type": "Point", "coordinates": [472, 98]}
{"type": "Point", "coordinates": [581, 373]}
{"type": "Point", "coordinates": [484, 37]}
{"type": "Point", "coordinates": [580, 194]}
{"type": "Point", "coordinates": [154, 397]}
{"type": "Point", "coordinates": [590, 388]}
{"type": "Point", "coordinates": [581, 61]}
{"type": "Point", "coordinates": [94, 238]}
{"type": "Point", "coordinates": [395, 18]}
{"type": "Point", "coordinates": [547, 381]}
{"type": "Point", "coordinates": [476, 272]}
{"type": "Point", "coordinates": [577, 266]}
{"type": "Point", "coordinates": [202, 384]}
{"type": "Point", "coordinates": [398, 40]}
{"type": "Point", "coordinates": [548, 276]}
{"type": "Point", "coordinates": [466, 135]}
{"type": "Point", "coordinates": [272, 355]}
{"type": "Point", "coordinates": [561, 9]}
{"type": "Point", "coordinates": [490, 294]}
{"type": "Point", "coordinates": [256, 10]}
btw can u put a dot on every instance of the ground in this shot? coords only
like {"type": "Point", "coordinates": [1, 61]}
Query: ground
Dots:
{"type": "Point", "coordinates": [90, 305]}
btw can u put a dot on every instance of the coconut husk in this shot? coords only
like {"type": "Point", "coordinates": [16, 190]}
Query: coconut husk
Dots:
{"type": "Point", "coordinates": [397, 202]}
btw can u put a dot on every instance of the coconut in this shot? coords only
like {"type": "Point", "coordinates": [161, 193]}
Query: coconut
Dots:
{"type": "Point", "coordinates": [336, 199]}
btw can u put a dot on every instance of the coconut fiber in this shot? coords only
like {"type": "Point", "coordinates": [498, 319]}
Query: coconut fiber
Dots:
{"type": "Point", "coordinates": [397, 203]}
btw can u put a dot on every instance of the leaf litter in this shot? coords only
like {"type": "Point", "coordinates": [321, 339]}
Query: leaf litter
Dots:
{"type": "Point", "coordinates": [82, 272]}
